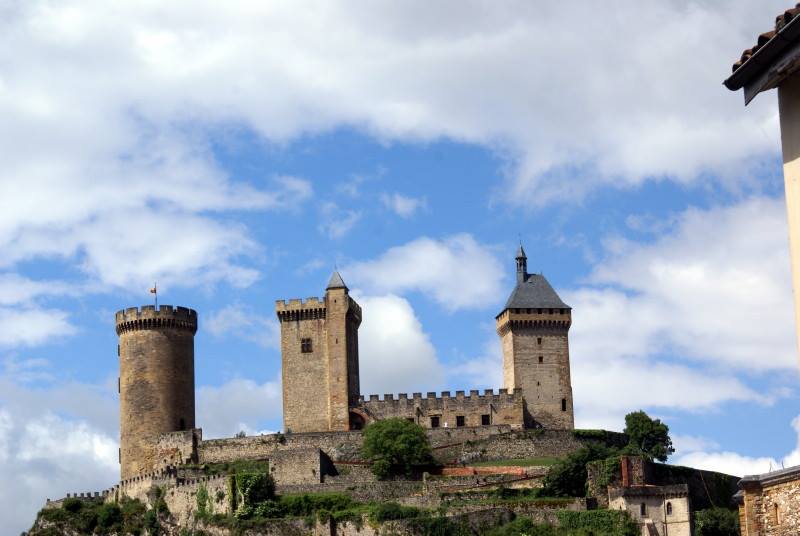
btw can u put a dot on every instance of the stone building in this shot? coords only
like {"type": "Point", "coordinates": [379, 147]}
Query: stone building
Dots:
{"type": "Point", "coordinates": [321, 392]}
{"type": "Point", "coordinates": [660, 510]}
{"type": "Point", "coordinates": [769, 504]}
{"type": "Point", "coordinates": [156, 380]}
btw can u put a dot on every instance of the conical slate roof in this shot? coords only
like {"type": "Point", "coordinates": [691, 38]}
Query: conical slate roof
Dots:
{"type": "Point", "coordinates": [336, 281]}
{"type": "Point", "coordinates": [534, 292]}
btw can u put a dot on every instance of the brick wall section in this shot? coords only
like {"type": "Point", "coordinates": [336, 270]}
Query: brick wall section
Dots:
{"type": "Point", "coordinates": [503, 407]}
{"type": "Point", "coordinates": [156, 382]}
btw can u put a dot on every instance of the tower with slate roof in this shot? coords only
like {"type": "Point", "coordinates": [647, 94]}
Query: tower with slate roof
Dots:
{"type": "Point", "coordinates": [319, 354]}
{"type": "Point", "coordinates": [534, 330]}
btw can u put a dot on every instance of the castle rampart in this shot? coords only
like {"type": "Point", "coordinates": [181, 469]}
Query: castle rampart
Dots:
{"type": "Point", "coordinates": [446, 411]}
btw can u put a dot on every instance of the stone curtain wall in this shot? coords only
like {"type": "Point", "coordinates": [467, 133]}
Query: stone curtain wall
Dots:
{"type": "Point", "coordinates": [503, 407]}
{"type": "Point", "coordinates": [299, 466]}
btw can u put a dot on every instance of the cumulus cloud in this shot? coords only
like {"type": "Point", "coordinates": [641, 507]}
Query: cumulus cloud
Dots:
{"type": "Point", "coordinates": [32, 326]}
{"type": "Point", "coordinates": [395, 353]}
{"type": "Point", "coordinates": [243, 322]}
{"type": "Point", "coordinates": [457, 272]}
{"type": "Point", "coordinates": [737, 464]}
{"type": "Point", "coordinates": [54, 439]}
{"type": "Point", "coordinates": [237, 405]}
{"type": "Point", "coordinates": [402, 205]}
{"type": "Point", "coordinates": [697, 290]}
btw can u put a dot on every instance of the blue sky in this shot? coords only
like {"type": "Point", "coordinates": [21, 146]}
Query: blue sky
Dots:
{"type": "Point", "coordinates": [237, 157]}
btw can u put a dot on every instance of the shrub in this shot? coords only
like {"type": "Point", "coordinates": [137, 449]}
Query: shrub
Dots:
{"type": "Point", "coordinates": [716, 522]}
{"type": "Point", "coordinates": [605, 522]}
{"type": "Point", "coordinates": [72, 505]}
{"type": "Point", "coordinates": [109, 516]}
{"type": "Point", "coordinates": [567, 478]}
{"type": "Point", "coordinates": [388, 511]}
{"type": "Point", "coordinates": [395, 447]}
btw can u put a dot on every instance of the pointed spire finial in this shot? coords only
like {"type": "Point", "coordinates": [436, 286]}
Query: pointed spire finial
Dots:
{"type": "Point", "coordinates": [522, 264]}
{"type": "Point", "coordinates": [336, 281]}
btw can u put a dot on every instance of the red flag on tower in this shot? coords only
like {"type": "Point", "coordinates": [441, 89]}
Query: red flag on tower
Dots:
{"type": "Point", "coordinates": [154, 290]}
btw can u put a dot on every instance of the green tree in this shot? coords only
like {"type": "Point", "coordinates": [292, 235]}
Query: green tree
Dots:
{"type": "Point", "coordinates": [716, 522]}
{"type": "Point", "coordinates": [567, 478]}
{"type": "Point", "coordinates": [648, 437]}
{"type": "Point", "coordinates": [395, 447]}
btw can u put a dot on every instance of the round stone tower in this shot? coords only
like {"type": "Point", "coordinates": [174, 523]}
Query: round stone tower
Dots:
{"type": "Point", "coordinates": [156, 380]}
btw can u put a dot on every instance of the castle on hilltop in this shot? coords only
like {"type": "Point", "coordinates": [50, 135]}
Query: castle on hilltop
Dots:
{"type": "Point", "coordinates": [319, 349]}
{"type": "Point", "coordinates": [320, 372]}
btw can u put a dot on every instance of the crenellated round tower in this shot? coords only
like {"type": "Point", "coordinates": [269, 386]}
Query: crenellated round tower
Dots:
{"type": "Point", "coordinates": [156, 380]}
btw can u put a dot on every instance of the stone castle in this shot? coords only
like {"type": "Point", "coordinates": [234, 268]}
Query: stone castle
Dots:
{"type": "Point", "coordinates": [320, 362]}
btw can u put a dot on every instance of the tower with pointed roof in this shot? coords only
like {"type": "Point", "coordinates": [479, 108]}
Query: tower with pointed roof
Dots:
{"type": "Point", "coordinates": [319, 359]}
{"type": "Point", "coordinates": [534, 330]}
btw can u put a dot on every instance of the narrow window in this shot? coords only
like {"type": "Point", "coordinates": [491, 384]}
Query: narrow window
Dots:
{"type": "Point", "coordinates": [485, 420]}
{"type": "Point", "coordinates": [563, 404]}
{"type": "Point", "coordinates": [541, 359]}
{"type": "Point", "coordinates": [539, 341]}
{"type": "Point", "coordinates": [776, 518]}
{"type": "Point", "coordinates": [118, 350]}
{"type": "Point", "coordinates": [643, 510]}
{"type": "Point", "coordinates": [669, 508]}
{"type": "Point", "coordinates": [119, 385]}
{"type": "Point", "coordinates": [305, 346]}
{"type": "Point", "coordinates": [434, 422]}
{"type": "Point", "coordinates": [182, 424]}
{"type": "Point", "coordinates": [459, 420]}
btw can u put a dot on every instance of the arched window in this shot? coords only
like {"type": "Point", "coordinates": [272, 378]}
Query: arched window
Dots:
{"type": "Point", "coordinates": [669, 508]}
{"type": "Point", "coordinates": [643, 510]}
{"type": "Point", "coordinates": [776, 517]}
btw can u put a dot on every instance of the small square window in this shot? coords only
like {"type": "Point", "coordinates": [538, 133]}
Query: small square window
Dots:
{"type": "Point", "coordinates": [485, 420]}
{"type": "Point", "coordinates": [434, 422]}
{"type": "Point", "coordinates": [541, 359]}
{"type": "Point", "coordinates": [539, 341]}
{"type": "Point", "coordinates": [459, 420]}
{"type": "Point", "coordinates": [305, 346]}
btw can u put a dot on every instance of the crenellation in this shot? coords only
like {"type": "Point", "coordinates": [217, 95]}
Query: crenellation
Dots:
{"type": "Point", "coordinates": [416, 396]}
{"type": "Point", "coordinates": [445, 394]}
{"type": "Point", "coordinates": [431, 394]}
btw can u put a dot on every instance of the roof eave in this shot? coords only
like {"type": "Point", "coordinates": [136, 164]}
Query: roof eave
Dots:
{"type": "Point", "coordinates": [769, 65]}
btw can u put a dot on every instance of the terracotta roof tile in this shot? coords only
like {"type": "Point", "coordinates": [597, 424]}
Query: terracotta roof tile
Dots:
{"type": "Point", "coordinates": [780, 21]}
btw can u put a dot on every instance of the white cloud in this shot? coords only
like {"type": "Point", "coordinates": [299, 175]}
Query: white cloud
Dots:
{"type": "Point", "coordinates": [395, 354]}
{"type": "Point", "coordinates": [240, 321]}
{"type": "Point", "coordinates": [337, 222]}
{"type": "Point", "coordinates": [54, 439]}
{"type": "Point", "coordinates": [736, 464]}
{"type": "Point", "coordinates": [697, 291]}
{"type": "Point", "coordinates": [457, 272]}
{"type": "Point", "coordinates": [237, 405]}
{"type": "Point", "coordinates": [29, 327]}
{"type": "Point", "coordinates": [403, 206]}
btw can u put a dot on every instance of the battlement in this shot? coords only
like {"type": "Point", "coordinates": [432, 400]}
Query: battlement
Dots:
{"type": "Point", "coordinates": [148, 317]}
{"type": "Point", "coordinates": [312, 308]}
{"type": "Point", "coordinates": [552, 319]}
{"type": "Point", "coordinates": [488, 395]}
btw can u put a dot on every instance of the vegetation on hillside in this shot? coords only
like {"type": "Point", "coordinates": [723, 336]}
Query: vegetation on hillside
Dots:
{"type": "Point", "coordinates": [395, 447]}
{"type": "Point", "coordinates": [83, 517]}
{"type": "Point", "coordinates": [647, 437]}
{"type": "Point", "coordinates": [716, 522]}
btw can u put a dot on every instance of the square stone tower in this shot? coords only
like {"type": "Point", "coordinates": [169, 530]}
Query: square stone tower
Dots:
{"type": "Point", "coordinates": [319, 352]}
{"type": "Point", "coordinates": [534, 330]}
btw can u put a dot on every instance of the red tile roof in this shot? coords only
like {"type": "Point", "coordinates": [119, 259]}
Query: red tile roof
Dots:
{"type": "Point", "coordinates": [780, 21]}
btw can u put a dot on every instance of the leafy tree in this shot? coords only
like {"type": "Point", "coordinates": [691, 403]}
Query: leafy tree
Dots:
{"type": "Point", "coordinates": [395, 447]}
{"type": "Point", "coordinates": [648, 437]}
{"type": "Point", "coordinates": [567, 478]}
{"type": "Point", "coordinates": [716, 522]}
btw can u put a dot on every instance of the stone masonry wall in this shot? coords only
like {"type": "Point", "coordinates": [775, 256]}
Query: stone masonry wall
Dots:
{"type": "Point", "coordinates": [772, 511]}
{"type": "Point", "coordinates": [156, 382]}
{"type": "Point", "coordinates": [299, 466]}
{"type": "Point", "coordinates": [499, 408]}
{"type": "Point", "coordinates": [304, 374]}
